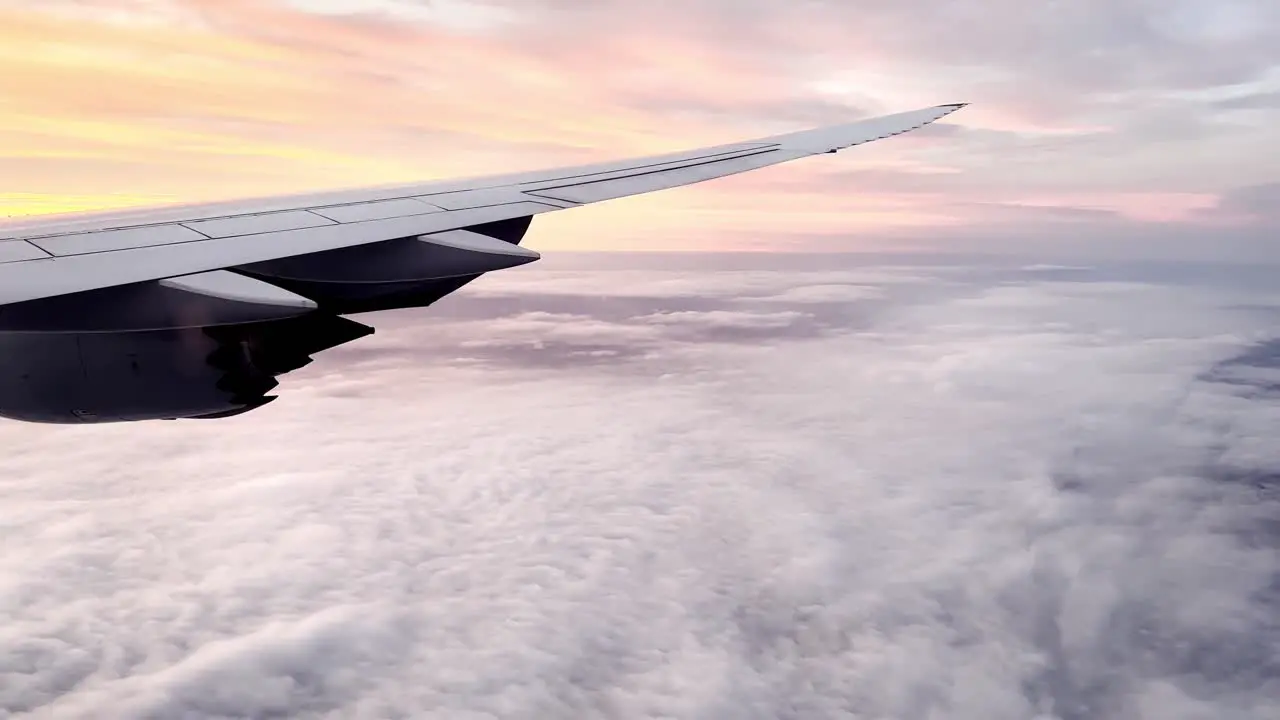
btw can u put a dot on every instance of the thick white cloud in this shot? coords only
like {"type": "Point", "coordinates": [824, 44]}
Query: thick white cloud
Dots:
{"type": "Point", "coordinates": [1014, 499]}
{"type": "Point", "coordinates": [726, 319]}
{"type": "Point", "coordinates": [690, 282]}
{"type": "Point", "coordinates": [834, 293]}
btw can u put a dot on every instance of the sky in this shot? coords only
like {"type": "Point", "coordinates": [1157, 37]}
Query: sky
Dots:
{"type": "Point", "coordinates": [981, 427]}
{"type": "Point", "coordinates": [703, 486]}
{"type": "Point", "coordinates": [1098, 128]}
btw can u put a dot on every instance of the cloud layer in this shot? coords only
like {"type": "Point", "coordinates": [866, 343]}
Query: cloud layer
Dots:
{"type": "Point", "coordinates": [975, 493]}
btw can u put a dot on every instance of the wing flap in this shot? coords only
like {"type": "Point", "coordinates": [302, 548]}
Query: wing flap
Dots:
{"type": "Point", "coordinates": [259, 224]}
{"type": "Point", "coordinates": [379, 210]}
{"type": "Point", "coordinates": [469, 199]}
{"type": "Point", "coordinates": [112, 240]}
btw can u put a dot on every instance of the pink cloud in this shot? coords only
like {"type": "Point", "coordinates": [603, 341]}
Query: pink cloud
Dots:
{"type": "Point", "coordinates": [211, 99]}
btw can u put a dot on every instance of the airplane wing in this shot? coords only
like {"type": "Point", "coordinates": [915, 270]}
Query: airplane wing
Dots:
{"type": "Point", "coordinates": [227, 264]}
{"type": "Point", "coordinates": [55, 257]}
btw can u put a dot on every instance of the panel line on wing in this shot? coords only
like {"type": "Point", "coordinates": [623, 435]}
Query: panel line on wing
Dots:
{"type": "Point", "coordinates": [741, 150]}
{"type": "Point", "coordinates": [598, 190]}
{"type": "Point", "coordinates": [558, 185]}
{"type": "Point", "coordinates": [489, 197]}
{"type": "Point", "coordinates": [21, 251]}
{"type": "Point", "coordinates": [376, 210]}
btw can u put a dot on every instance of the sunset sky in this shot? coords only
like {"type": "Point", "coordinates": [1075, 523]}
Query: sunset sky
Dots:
{"type": "Point", "coordinates": [1125, 127]}
{"type": "Point", "coordinates": [927, 431]}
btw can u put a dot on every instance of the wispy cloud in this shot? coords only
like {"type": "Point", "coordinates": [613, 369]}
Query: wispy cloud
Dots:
{"type": "Point", "coordinates": [1150, 111]}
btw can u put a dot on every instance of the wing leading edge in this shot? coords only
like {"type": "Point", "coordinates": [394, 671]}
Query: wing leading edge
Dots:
{"type": "Point", "coordinates": [61, 256]}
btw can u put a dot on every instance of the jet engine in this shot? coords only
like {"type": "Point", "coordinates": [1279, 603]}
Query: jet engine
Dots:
{"type": "Point", "coordinates": [149, 374]}
{"type": "Point", "coordinates": [212, 345]}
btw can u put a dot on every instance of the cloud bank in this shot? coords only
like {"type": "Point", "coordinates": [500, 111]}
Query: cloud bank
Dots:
{"type": "Point", "coordinates": [1005, 494]}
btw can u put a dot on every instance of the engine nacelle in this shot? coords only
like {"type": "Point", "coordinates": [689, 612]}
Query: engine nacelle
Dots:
{"type": "Point", "coordinates": [158, 374]}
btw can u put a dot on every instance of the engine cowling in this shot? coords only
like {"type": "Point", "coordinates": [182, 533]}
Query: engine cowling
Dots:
{"type": "Point", "coordinates": [205, 372]}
